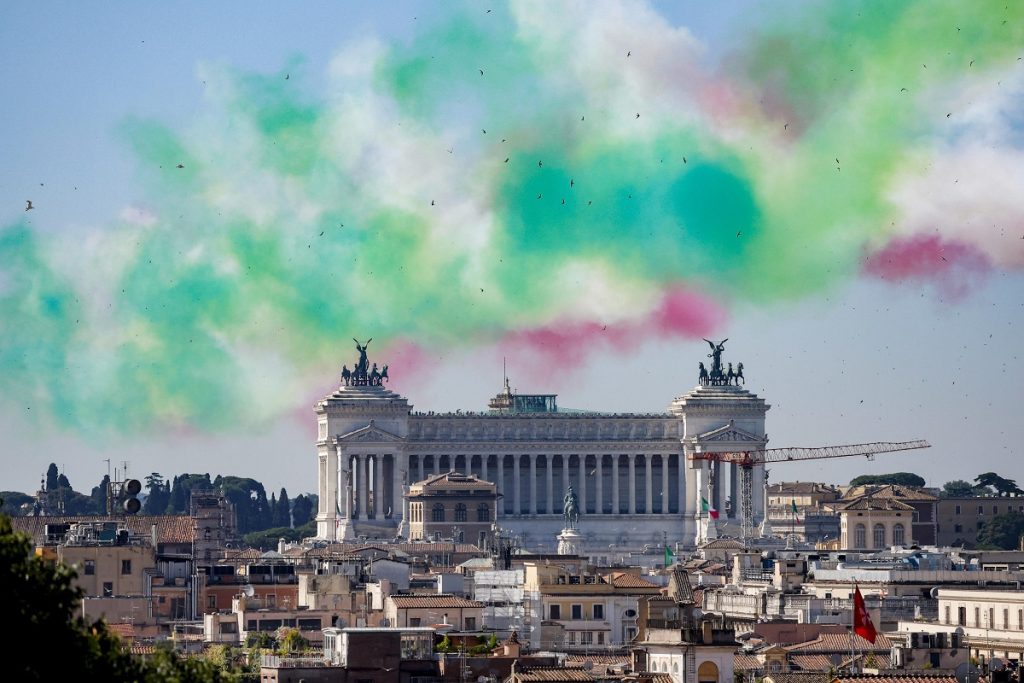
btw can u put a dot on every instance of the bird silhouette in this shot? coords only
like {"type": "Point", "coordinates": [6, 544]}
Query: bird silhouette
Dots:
{"type": "Point", "coordinates": [481, 72]}
{"type": "Point", "coordinates": [431, 202]}
{"type": "Point", "coordinates": [628, 53]}
{"type": "Point", "coordinates": [28, 205]}
{"type": "Point", "coordinates": [638, 114]}
{"type": "Point", "coordinates": [571, 182]}
{"type": "Point", "coordinates": [506, 160]}
{"type": "Point", "coordinates": [538, 195]}
{"type": "Point", "coordinates": [563, 200]}
{"type": "Point", "coordinates": [181, 166]}
{"type": "Point", "coordinates": [540, 164]}
{"type": "Point", "coordinates": [287, 76]}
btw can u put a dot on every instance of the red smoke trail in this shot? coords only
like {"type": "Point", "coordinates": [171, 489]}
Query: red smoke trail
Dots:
{"type": "Point", "coordinates": [954, 267]}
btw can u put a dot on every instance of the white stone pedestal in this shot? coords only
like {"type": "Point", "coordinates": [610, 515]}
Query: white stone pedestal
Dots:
{"type": "Point", "coordinates": [346, 530]}
{"type": "Point", "coordinates": [570, 542]}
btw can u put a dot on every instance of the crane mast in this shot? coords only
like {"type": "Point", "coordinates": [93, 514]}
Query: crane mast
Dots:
{"type": "Point", "coordinates": [746, 460]}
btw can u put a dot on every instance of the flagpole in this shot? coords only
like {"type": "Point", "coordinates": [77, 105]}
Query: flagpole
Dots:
{"type": "Point", "coordinates": [853, 621]}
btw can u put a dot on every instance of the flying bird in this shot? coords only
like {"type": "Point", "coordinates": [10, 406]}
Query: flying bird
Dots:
{"type": "Point", "coordinates": [431, 202]}
{"type": "Point", "coordinates": [538, 195]}
{"type": "Point", "coordinates": [628, 53]}
{"type": "Point", "coordinates": [28, 205]}
{"type": "Point", "coordinates": [571, 182]}
{"type": "Point", "coordinates": [181, 165]}
{"type": "Point", "coordinates": [506, 160]}
{"type": "Point", "coordinates": [638, 114]}
{"type": "Point", "coordinates": [563, 200]}
{"type": "Point", "coordinates": [321, 233]}
{"type": "Point", "coordinates": [785, 126]}
{"type": "Point", "coordinates": [684, 160]}
{"type": "Point", "coordinates": [903, 90]}
{"type": "Point", "coordinates": [287, 76]}
{"type": "Point", "coordinates": [540, 164]}
{"type": "Point", "coordinates": [481, 72]}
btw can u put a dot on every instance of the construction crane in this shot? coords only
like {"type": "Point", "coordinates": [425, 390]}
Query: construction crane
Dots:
{"type": "Point", "coordinates": [746, 460]}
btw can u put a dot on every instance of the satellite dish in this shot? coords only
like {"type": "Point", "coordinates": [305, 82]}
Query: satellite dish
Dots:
{"type": "Point", "coordinates": [133, 487]}
{"type": "Point", "coordinates": [132, 505]}
{"type": "Point", "coordinates": [965, 673]}
{"type": "Point", "coordinates": [934, 592]}
{"type": "Point", "coordinates": [248, 590]}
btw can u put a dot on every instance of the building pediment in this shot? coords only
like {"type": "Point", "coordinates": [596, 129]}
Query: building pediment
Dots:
{"type": "Point", "coordinates": [369, 434]}
{"type": "Point", "coordinates": [727, 434]}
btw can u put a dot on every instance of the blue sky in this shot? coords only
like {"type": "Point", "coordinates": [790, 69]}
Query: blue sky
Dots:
{"type": "Point", "coordinates": [853, 360]}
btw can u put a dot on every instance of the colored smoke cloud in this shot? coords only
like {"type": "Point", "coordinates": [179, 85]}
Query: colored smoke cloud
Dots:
{"type": "Point", "coordinates": [953, 266]}
{"type": "Point", "coordinates": [567, 194]}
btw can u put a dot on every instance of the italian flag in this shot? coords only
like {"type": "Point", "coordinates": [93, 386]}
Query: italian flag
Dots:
{"type": "Point", "coordinates": [668, 556]}
{"type": "Point", "coordinates": [707, 509]}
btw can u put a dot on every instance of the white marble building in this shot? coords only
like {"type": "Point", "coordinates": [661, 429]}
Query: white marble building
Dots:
{"type": "Point", "coordinates": [634, 482]}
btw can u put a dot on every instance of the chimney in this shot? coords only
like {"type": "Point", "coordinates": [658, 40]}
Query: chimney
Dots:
{"type": "Point", "coordinates": [153, 536]}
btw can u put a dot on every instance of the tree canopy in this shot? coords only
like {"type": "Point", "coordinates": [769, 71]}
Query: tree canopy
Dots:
{"type": "Point", "coordinates": [958, 488]}
{"type": "Point", "coordinates": [900, 478]}
{"type": "Point", "coordinates": [990, 482]}
{"type": "Point", "coordinates": [1002, 532]}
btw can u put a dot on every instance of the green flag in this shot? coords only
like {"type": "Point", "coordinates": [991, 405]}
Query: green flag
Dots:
{"type": "Point", "coordinates": [668, 556]}
{"type": "Point", "coordinates": [794, 506]}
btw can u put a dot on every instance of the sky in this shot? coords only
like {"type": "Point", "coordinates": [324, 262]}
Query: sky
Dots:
{"type": "Point", "coordinates": [224, 195]}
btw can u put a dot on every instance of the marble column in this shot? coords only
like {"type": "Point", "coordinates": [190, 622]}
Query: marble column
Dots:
{"type": "Point", "coordinates": [615, 483]}
{"type": "Point", "coordinates": [362, 486]}
{"type": "Point", "coordinates": [549, 472]}
{"type": "Point", "coordinates": [516, 486]}
{"type": "Point", "coordinates": [582, 476]}
{"type": "Point", "coordinates": [533, 483]}
{"type": "Point", "coordinates": [378, 486]}
{"type": "Point", "coordinates": [565, 474]}
{"type": "Point", "coordinates": [649, 483]}
{"type": "Point", "coordinates": [599, 493]}
{"type": "Point", "coordinates": [665, 507]}
{"type": "Point", "coordinates": [632, 483]}
{"type": "Point", "coordinates": [437, 464]}
{"type": "Point", "coordinates": [420, 458]}
{"type": "Point", "coordinates": [336, 482]}
{"type": "Point", "coordinates": [685, 497]}
{"type": "Point", "coordinates": [483, 466]}
{"type": "Point", "coordinates": [399, 475]}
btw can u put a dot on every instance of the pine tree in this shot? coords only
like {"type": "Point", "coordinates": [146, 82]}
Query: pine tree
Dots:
{"type": "Point", "coordinates": [51, 477]}
{"type": "Point", "coordinates": [283, 513]}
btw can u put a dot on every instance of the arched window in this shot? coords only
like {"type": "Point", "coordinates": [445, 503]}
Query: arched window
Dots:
{"type": "Point", "coordinates": [460, 512]}
{"type": "Point", "coordinates": [897, 534]}
{"type": "Point", "coordinates": [878, 536]}
{"type": "Point", "coordinates": [483, 512]}
{"type": "Point", "coordinates": [438, 513]}
{"type": "Point", "coordinates": [860, 536]}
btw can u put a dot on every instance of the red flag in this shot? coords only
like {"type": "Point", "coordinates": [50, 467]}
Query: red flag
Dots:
{"type": "Point", "coordinates": [862, 625]}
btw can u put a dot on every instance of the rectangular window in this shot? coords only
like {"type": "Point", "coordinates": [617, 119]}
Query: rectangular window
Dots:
{"type": "Point", "coordinates": [108, 589]}
{"type": "Point", "coordinates": [977, 616]}
{"type": "Point", "coordinates": [586, 638]}
{"type": "Point", "coordinates": [1020, 620]}
{"type": "Point", "coordinates": [414, 621]}
{"type": "Point", "coordinates": [958, 528]}
{"type": "Point", "coordinates": [958, 509]}
{"type": "Point", "coordinates": [470, 623]}
{"type": "Point", "coordinates": [90, 567]}
{"type": "Point", "coordinates": [961, 616]}
{"type": "Point", "coordinates": [947, 614]}
{"type": "Point", "coordinates": [981, 510]}
{"type": "Point", "coordinates": [228, 627]}
{"type": "Point", "coordinates": [556, 612]}
{"type": "Point", "coordinates": [126, 566]}
{"type": "Point", "coordinates": [577, 611]}
{"type": "Point", "coordinates": [211, 601]}
{"type": "Point", "coordinates": [600, 637]}
{"type": "Point", "coordinates": [599, 611]}
{"type": "Point", "coordinates": [570, 637]}
{"type": "Point", "coordinates": [1006, 620]}
{"type": "Point", "coordinates": [995, 509]}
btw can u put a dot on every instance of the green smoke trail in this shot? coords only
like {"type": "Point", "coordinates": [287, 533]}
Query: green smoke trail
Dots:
{"type": "Point", "coordinates": [283, 222]}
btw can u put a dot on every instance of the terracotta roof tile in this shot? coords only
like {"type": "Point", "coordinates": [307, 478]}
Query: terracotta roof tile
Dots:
{"type": "Point", "coordinates": [627, 580]}
{"type": "Point", "coordinates": [840, 642]}
{"type": "Point", "coordinates": [578, 660]}
{"type": "Point", "coordinates": [418, 601]}
{"type": "Point", "coordinates": [553, 674]}
{"type": "Point", "coordinates": [169, 528]}
{"type": "Point", "coordinates": [744, 662]}
{"type": "Point", "coordinates": [812, 662]}
{"type": "Point", "coordinates": [910, 678]}
{"type": "Point", "coordinates": [818, 676]}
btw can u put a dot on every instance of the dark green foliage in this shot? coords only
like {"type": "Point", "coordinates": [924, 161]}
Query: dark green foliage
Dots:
{"type": "Point", "coordinates": [62, 482]}
{"type": "Point", "coordinates": [282, 512]}
{"type": "Point", "coordinates": [13, 501]}
{"type": "Point", "coordinates": [51, 477]}
{"type": "Point", "coordinates": [302, 510]}
{"type": "Point", "coordinates": [900, 478]}
{"type": "Point", "coordinates": [1002, 532]}
{"type": "Point", "coordinates": [99, 495]}
{"type": "Point", "coordinates": [267, 538]}
{"type": "Point", "coordinates": [252, 509]}
{"type": "Point", "coordinates": [181, 490]}
{"type": "Point", "coordinates": [990, 482]}
{"type": "Point", "coordinates": [958, 488]}
{"type": "Point", "coordinates": [40, 599]}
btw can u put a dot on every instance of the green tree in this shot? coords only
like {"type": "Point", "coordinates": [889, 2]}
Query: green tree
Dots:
{"type": "Point", "coordinates": [99, 495]}
{"type": "Point", "coordinates": [13, 502]}
{"type": "Point", "coordinates": [992, 482]}
{"type": "Point", "coordinates": [63, 483]}
{"type": "Point", "coordinates": [1002, 532]}
{"type": "Point", "coordinates": [283, 513]}
{"type": "Point", "coordinates": [51, 477]}
{"type": "Point", "coordinates": [252, 510]}
{"type": "Point", "coordinates": [158, 495]}
{"type": "Point", "coordinates": [266, 539]}
{"type": "Point", "coordinates": [40, 597]}
{"type": "Point", "coordinates": [302, 510]}
{"type": "Point", "coordinates": [291, 640]}
{"type": "Point", "coordinates": [900, 478]}
{"type": "Point", "coordinates": [958, 488]}
{"type": "Point", "coordinates": [181, 491]}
